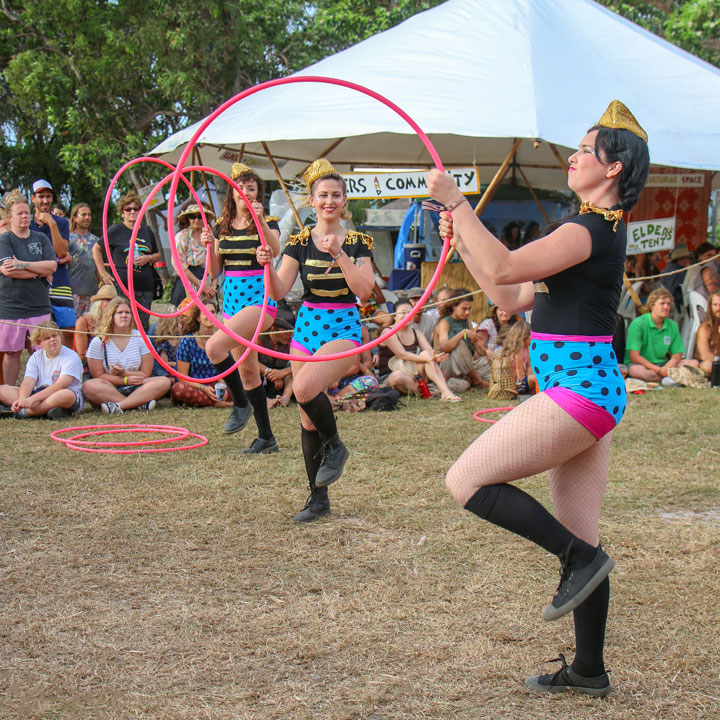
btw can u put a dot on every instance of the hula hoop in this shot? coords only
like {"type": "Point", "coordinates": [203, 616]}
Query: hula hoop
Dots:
{"type": "Point", "coordinates": [178, 174]}
{"type": "Point", "coordinates": [141, 446]}
{"type": "Point", "coordinates": [489, 410]}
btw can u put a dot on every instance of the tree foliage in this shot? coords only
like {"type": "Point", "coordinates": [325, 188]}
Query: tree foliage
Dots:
{"type": "Point", "coordinates": [87, 84]}
{"type": "Point", "coordinates": [693, 25]}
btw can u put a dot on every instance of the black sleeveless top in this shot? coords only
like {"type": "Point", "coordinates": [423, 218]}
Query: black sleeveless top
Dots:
{"type": "Point", "coordinates": [583, 299]}
{"type": "Point", "coordinates": [237, 251]}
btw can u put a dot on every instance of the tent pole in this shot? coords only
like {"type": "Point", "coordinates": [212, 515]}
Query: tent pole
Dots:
{"type": "Point", "coordinates": [532, 192]}
{"type": "Point", "coordinates": [241, 153]}
{"type": "Point", "coordinates": [561, 161]}
{"type": "Point", "coordinates": [499, 175]}
{"type": "Point", "coordinates": [282, 185]}
{"type": "Point", "coordinates": [195, 162]}
{"type": "Point", "coordinates": [205, 183]}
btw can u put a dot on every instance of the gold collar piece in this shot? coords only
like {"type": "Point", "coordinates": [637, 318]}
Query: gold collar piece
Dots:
{"type": "Point", "coordinates": [613, 216]}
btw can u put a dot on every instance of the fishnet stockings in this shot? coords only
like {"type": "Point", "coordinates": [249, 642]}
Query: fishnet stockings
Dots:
{"type": "Point", "coordinates": [539, 436]}
{"type": "Point", "coordinates": [310, 379]}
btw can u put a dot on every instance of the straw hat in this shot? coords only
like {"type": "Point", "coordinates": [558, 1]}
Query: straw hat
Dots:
{"type": "Point", "coordinates": [689, 377]}
{"type": "Point", "coordinates": [195, 210]}
{"type": "Point", "coordinates": [679, 252]}
{"type": "Point", "coordinates": [106, 292]}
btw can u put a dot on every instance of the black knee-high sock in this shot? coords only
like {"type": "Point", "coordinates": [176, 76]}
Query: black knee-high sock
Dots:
{"type": "Point", "coordinates": [312, 452]}
{"type": "Point", "coordinates": [590, 619]}
{"type": "Point", "coordinates": [509, 507]}
{"type": "Point", "coordinates": [233, 381]}
{"type": "Point", "coordinates": [258, 399]}
{"type": "Point", "coordinates": [320, 412]}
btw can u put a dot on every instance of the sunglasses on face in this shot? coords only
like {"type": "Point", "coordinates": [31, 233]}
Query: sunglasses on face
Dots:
{"type": "Point", "coordinates": [193, 217]}
{"type": "Point", "coordinates": [131, 209]}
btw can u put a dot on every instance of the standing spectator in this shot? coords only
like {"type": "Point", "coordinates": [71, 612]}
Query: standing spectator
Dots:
{"type": "Point", "coordinates": [4, 222]}
{"type": "Point", "coordinates": [680, 258]}
{"type": "Point", "coordinates": [146, 252]}
{"type": "Point", "coordinates": [82, 268]}
{"type": "Point", "coordinates": [58, 209]}
{"type": "Point", "coordinates": [192, 252]}
{"type": "Point", "coordinates": [57, 229]}
{"type": "Point", "coordinates": [653, 342]}
{"type": "Point", "coordinates": [704, 279]}
{"type": "Point", "coordinates": [52, 385]}
{"type": "Point", "coordinates": [27, 260]}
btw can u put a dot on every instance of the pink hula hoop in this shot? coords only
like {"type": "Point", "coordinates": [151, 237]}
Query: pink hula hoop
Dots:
{"type": "Point", "coordinates": [489, 410]}
{"type": "Point", "coordinates": [141, 446]}
{"type": "Point", "coordinates": [178, 175]}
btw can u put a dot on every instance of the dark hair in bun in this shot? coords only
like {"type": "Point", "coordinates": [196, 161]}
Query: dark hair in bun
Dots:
{"type": "Point", "coordinates": [618, 145]}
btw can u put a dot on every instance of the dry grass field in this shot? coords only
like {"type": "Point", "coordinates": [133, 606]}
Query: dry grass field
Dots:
{"type": "Point", "coordinates": [176, 586]}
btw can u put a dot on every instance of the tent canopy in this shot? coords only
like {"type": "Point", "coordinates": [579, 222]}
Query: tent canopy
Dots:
{"type": "Point", "coordinates": [474, 75]}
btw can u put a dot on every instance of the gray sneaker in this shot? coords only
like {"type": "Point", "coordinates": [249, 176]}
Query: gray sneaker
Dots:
{"type": "Point", "coordinates": [111, 408]}
{"type": "Point", "coordinates": [58, 413]}
{"type": "Point", "coordinates": [566, 680]}
{"type": "Point", "coordinates": [147, 407]}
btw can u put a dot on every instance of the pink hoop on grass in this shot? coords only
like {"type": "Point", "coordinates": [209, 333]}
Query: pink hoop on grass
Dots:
{"type": "Point", "coordinates": [140, 446]}
{"type": "Point", "coordinates": [490, 410]}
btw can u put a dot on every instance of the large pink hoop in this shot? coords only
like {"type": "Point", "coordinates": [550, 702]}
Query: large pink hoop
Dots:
{"type": "Point", "coordinates": [180, 169]}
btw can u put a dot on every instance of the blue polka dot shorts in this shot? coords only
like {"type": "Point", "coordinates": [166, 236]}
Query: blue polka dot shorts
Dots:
{"type": "Point", "coordinates": [317, 325]}
{"type": "Point", "coordinates": [241, 291]}
{"type": "Point", "coordinates": [588, 369]}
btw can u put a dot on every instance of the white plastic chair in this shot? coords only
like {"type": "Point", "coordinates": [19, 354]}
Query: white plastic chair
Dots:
{"type": "Point", "coordinates": [695, 305]}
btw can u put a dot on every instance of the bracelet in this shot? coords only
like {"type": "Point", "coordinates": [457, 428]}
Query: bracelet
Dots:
{"type": "Point", "coordinates": [338, 255]}
{"type": "Point", "coordinates": [453, 205]}
{"type": "Point", "coordinates": [125, 382]}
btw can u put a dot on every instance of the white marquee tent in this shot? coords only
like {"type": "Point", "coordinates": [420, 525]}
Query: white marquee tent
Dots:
{"type": "Point", "coordinates": [475, 75]}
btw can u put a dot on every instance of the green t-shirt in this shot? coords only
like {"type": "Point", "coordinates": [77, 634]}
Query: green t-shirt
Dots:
{"type": "Point", "coordinates": [654, 345]}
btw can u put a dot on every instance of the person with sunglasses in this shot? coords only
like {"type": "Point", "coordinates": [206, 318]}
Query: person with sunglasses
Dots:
{"type": "Point", "coordinates": [146, 252]}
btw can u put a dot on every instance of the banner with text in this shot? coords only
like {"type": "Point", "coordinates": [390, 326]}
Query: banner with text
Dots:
{"type": "Point", "coordinates": [650, 236]}
{"type": "Point", "coordinates": [405, 184]}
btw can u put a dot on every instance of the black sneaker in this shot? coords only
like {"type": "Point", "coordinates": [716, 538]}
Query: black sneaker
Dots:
{"type": "Point", "coordinates": [6, 412]}
{"type": "Point", "coordinates": [333, 462]}
{"type": "Point", "coordinates": [566, 680]}
{"type": "Point", "coordinates": [317, 504]}
{"type": "Point", "coordinates": [261, 446]}
{"type": "Point", "coordinates": [239, 418]}
{"type": "Point", "coordinates": [58, 413]}
{"type": "Point", "coordinates": [577, 584]}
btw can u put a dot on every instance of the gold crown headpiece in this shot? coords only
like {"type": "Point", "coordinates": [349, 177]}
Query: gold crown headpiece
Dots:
{"type": "Point", "coordinates": [618, 116]}
{"type": "Point", "coordinates": [318, 169]}
{"type": "Point", "coordinates": [239, 169]}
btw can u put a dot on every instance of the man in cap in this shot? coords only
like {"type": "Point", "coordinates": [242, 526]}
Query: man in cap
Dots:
{"type": "Point", "coordinates": [57, 230]}
{"type": "Point", "coordinates": [680, 257]}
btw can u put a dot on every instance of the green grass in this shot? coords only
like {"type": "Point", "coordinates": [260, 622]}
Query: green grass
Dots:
{"type": "Point", "coordinates": [176, 585]}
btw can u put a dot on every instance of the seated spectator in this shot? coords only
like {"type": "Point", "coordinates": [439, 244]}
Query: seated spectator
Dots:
{"type": "Point", "coordinates": [413, 359]}
{"type": "Point", "coordinates": [492, 329]}
{"type": "Point", "coordinates": [192, 360]}
{"type": "Point", "coordinates": [192, 252]}
{"type": "Point", "coordinates": [52, 386]}
{"type": "Point", "coordinates": [431, 316]}
{"type": "Point", "coordinates": [517, 347]}
{"type": "Point", "coordinates": [510, 236]}
{"type": "Point", "coordinates": [679, 258]}
{"type": "Point", "coordinates": [653, 343]}
{"type": "Point", "coordinates": [455, 336]}
{"type": "Point", "coordinates": [121, 365]}
{"type": "Point", "coordinates": [703, 279]}
{"type": "Point", "coordinates": [276, 372]}
{"type": "Point", "coordinates": [532, 232]}
{"type": "Point", "coordinates": [166, 338]}
{"type": "Point", "coordinates": [88, 323]}
{"type": "Point", "coordinates": [707, 341]}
